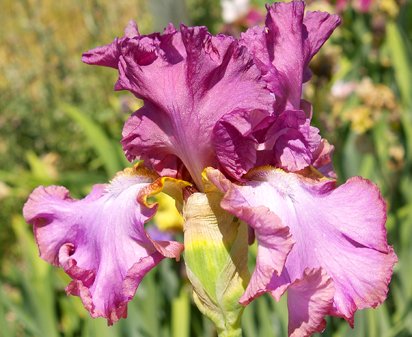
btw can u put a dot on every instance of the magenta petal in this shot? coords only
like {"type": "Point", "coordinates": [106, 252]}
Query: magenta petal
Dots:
{"type": "Point", "coordinates": [145, 131]}
{"type": "Point", "coordinates": [322, 159]}
{"type": "Point", "coordinates": [319, 26]}
{"type": "Point", "coordinates": [341, 230]}
{"type": "Point", "coordinates": [100, 241]}
{"type": "Point", "coordinates": [188, 80]}
{"type": "Point", "coordinates": [285, 31]}
{"type": "Point", "coordinates": [107, 56]}
{"type": "Point", "coordinates": [292, 141]}
{"type": "Point", "coordinates": [310, 299]}
{"type": "Point", "coordinates": [244, 140]}
{"type": "Point", "coordinates": [236, 138]}
{"type": "Point", "coordinates": [284, 48]}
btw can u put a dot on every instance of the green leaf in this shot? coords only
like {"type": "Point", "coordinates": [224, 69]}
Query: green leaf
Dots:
{"type": "Point", "coordinates": [36, 284]}
{"type": "Point", "coordinates": [181, 314]}
{"type": "Point", "coordinates": [401, 61]}
{"type": "Point", "coordinates": [103, 146]}
{"type": "Point", "coordinates": [403, 75]}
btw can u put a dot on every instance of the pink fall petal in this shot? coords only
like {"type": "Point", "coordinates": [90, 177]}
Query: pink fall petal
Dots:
{"type": "Point", "coordinates": [310, 299]}
{"type": "Point", "coordinates": [273, 237]}
{"type": "Point", "coordinates": [188, 79]}
{"type": "Point", "coordinates": [99, 241]}
{"type": "Point", "coordinates": [339, 229]}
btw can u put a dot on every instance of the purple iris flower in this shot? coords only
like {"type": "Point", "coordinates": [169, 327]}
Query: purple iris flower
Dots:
{"type": "Point", "coordinates": [231, 111]}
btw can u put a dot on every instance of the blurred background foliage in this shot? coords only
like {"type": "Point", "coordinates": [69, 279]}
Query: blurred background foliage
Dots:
{"type": "Point", "coordinates": [60, 123]}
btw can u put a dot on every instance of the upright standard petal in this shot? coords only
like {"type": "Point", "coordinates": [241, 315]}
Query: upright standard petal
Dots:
{"type": "Point", "coordinates": [100, 241]}
{"type": "Point", "coordinates": [338, 229]}
{"type": "Point", "coordinates": [188, 79]}
{"type": "Point", "coordinates": [284, 48]}
{"type": "Point", "coordinates": [282, 51]}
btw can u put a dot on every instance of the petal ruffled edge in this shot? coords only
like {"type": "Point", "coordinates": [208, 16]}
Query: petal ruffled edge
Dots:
{"type": "Point", "coordinates": [42, 209]}
{"type": "Point", "coordinates": [310, 299]}
{"type": "Point", "coordinates": [274, 239]}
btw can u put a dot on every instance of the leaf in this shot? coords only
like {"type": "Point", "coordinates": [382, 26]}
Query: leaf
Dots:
{"type": "Point", "coordinates": [181, 314]}
{"type": "Point", "coordinates": [403, 76]}
{"type": "Point", "coordinates": [103, 146]}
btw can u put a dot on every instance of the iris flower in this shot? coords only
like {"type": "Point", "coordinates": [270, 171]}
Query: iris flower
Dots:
{"type": "Point", "coordinates": [224, 116]}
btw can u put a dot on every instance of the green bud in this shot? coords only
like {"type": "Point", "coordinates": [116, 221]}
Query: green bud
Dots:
{"type": "Point", "coordinates": [216, 245]}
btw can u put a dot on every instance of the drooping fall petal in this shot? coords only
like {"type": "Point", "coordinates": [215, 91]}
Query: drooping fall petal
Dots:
{"type": "Point", "coordinates": [310, 299]}
{"type": "Point", "coordinates": [100, 241]}
{"type": "Point", "coordinates": [274, 239]}
{"type": "Point", "coordinates": [339, 229]}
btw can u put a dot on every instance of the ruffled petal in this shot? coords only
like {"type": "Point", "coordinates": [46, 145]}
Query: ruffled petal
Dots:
{"type": "Point", "coordinates": [284, 23]}
{"type": "Point", "coordinates": [145, 131]}
{"type": "Point", "coordinates": [341, 230]}
{"type": "Point", "coordinates": [100, 241]}
{"type": "Point", "coordinates": [274, 240]}
{"type": "Point", "coordinates": [322, 159]}
{"type": "Point", "coordinates": [106, 56]}
{"type": "Point", "coordinates": [236, 138]}
{"type": "Point", "coordinates": [284, 48]}
{"type": "Point", "coordinates": [245, 140]}
{"type": "Point", "coordinates": [188, 80]}
{"type": "Point", "coordinates": [319, 26]}
{"type": "Point", "coordinates": [290, 141]}
{"type": "Point", "coordinates": [310, 299]}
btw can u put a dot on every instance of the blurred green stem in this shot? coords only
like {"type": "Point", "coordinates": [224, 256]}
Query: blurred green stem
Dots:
{"type": "Point", "coordinates": [231, 333]}
{"type": "Point", "coordinates": [181, 314]}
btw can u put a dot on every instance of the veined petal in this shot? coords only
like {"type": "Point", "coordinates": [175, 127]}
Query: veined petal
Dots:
{"type": "Point", "coordinates": [274, 239]}
{"type": "Point", "coordinates": [284, 48]}
{"type": "Point", "coordinates": [310, 299]}
{"type": "Point", "coordinates": [236, 139]}
{"type": "Point", "coordinates": [339, 229]}
{"type": "Point", "coordinates": [188, 80]}
{"type": "Point", "coordinates": [322, 159]}
{"type": "Point", "coordinates": [290, 141]}
{"type": "Point", "coordinates": [100, 241]}
{"type": "Point", "coordinates": [244, 140]}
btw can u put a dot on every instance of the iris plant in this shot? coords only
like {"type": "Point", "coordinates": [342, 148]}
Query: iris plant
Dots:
{"type": "Point", "coordinates": [223, 130]}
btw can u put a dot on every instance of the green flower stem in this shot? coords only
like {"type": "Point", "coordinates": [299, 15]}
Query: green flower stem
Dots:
{"type": "Point", "coordinates": [231, 333]}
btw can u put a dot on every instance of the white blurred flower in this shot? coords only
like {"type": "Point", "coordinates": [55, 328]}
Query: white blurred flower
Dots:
{"type": "Point", "coordinates": [234, 9]}
{"type": "Point", "coordinates": [342, 90]}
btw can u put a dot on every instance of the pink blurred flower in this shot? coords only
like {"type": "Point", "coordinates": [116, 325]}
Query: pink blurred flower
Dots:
{"type": "Point", "coordinates": [362, 6]}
